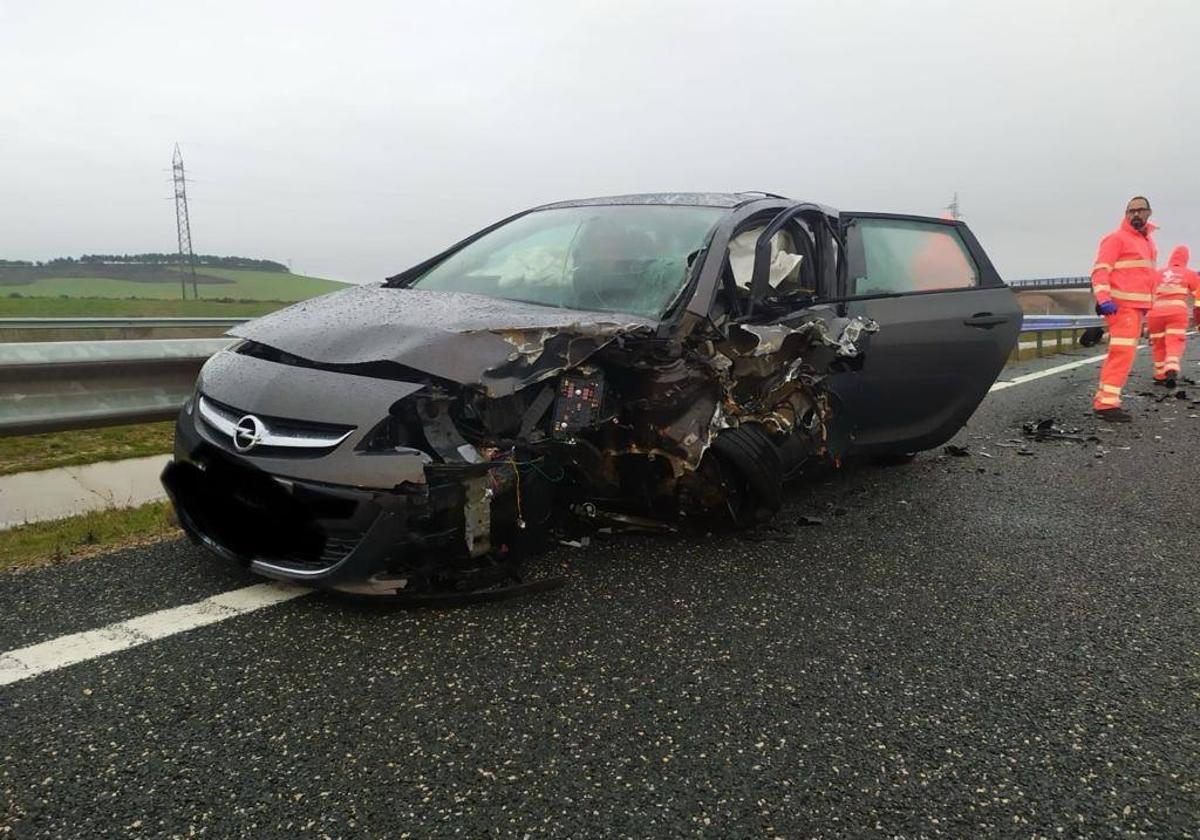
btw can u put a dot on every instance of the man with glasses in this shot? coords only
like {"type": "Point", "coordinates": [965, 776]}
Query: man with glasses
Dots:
{"type": "Point", "coordinates": [1123, 281]}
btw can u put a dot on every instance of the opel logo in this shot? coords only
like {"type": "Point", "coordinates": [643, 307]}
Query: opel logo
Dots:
{"type": "Point", "coordinates": [248, 433]}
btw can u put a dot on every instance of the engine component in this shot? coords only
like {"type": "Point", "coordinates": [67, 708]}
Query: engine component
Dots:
{"type": "Point", "coordinates": [578, 404]}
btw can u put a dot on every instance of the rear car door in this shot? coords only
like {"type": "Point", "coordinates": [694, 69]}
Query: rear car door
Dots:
{"type": "Point", "coordinates": [947, 324]}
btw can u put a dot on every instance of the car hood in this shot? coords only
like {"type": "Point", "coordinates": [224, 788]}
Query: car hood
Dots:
{"type": "Point", "coordinates": [500, 345]}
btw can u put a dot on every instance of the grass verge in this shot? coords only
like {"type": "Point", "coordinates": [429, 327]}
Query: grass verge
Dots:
{"type": "Point", "coordinates": [41, 543]}
{"type": "Point", "coordinates": [88, 446]}
{"type": "Point", "coordinates": [241, 284]}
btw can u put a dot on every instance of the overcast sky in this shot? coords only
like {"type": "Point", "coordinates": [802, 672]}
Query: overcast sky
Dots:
{"type": "Point", "coordinates": [355, 138]}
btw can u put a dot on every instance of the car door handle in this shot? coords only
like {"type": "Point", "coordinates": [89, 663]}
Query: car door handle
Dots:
{"type": "Point", "coordinates": [985, 319]}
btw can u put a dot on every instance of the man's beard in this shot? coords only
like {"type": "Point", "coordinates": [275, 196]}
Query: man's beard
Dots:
{"type": "Point", "coordinates": [1137, 222]}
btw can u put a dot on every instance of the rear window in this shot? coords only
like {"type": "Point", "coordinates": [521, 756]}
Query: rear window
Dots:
{"type": "Point", "coordinates": [895, 256]}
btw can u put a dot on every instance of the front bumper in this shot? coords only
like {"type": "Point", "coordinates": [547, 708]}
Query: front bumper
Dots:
{"type": "Point", "coordinates": [312, 533]}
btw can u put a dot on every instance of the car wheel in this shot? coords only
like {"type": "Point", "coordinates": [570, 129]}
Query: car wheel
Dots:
{"type": "Point", "coordinates": [751, 472]}
{"type": "Point", "coordinates": [1091, 336]}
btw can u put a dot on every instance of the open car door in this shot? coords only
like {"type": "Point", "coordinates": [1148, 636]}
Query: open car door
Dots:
{"type": "Point", "coordinates": [947, 324]}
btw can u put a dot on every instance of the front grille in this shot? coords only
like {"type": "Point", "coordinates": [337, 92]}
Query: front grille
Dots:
{"type": "Point", "coordinates": [265, 435]}
{"type": "Point", "coordinates": [338, 545]}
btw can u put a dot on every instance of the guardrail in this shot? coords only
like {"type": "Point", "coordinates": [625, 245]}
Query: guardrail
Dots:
{"type": "Point", "coordinates": [1052, 283]}
{"type": "Point", "coordinates": [1033, 323]}
{"type": "Point", "coordinates": [48, 386]}
{"type": "Point", "coordinates": [1085, 330]}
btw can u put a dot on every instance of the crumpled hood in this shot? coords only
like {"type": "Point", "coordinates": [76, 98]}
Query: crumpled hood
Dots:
{"type": "Point", "coordinates": [1179, 257]}
{"type": "Point", "coordinates": [498, 344]}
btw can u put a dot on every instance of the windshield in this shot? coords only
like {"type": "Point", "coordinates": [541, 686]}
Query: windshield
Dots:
{"type": "Point", "coordinates": [627, 258]}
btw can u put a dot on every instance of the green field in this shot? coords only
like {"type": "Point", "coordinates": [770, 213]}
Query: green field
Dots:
{"type": "Point", "coordinates": [245, 285]}
{"type": "Point", "coordinates": [58, 307]}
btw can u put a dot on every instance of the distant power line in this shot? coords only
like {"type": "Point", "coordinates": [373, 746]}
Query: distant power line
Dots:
{"type": "Point", "coordinates": [953, 208]}
{"type": "Point", "coordinates": [183, 226]}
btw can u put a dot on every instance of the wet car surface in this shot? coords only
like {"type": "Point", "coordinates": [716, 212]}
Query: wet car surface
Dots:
{"type": "Point", "coordinates": [635, 361]}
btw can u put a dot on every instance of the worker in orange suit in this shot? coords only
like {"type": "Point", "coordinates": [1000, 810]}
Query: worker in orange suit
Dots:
{"type": "Point", "coordinates": [1168, 320]}
{"type": "Point", "coordinates": [1123, 281]}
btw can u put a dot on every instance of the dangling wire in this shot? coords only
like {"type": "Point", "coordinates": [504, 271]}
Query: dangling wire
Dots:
{"type": "Point", "coordinates": [517, 473]}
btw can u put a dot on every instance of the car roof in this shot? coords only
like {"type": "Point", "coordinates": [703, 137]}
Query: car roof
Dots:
{"type": "Point", "coordinates": [689, 199]}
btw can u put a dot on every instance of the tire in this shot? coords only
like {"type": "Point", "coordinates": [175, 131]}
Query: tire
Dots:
{"type": "Point", "coordinates": [752, 472]}
{"type": "Point", "coordinates": [1091, 336]}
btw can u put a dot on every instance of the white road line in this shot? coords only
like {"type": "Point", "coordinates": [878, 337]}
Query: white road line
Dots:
{"type": "Point", "coordinates": [31, 661]}
{"type": "Point", "coordinates": [34, 660]}
{"type": "Point", "coordinates": [1041, 374]}
{"type": "Point", "coordinates": [1029, 377]}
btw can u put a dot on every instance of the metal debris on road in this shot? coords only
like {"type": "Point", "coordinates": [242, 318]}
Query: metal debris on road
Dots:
{"type": "Point", "coordinates": [1048, 429]}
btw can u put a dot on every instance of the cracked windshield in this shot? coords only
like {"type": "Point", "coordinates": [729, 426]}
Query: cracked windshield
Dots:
{"type": "Point", "coordinates": [631, 259]}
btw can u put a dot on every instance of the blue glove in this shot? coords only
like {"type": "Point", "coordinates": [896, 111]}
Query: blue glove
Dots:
{"type": "Point", "coordinates": [1107, 308]}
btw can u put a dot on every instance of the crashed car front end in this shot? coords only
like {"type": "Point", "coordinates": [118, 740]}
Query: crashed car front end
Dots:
{"type": "Point", "coordinates": [454, 482]}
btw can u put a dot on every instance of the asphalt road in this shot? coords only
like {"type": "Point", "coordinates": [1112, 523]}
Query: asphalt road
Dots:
{"type": "Point", "coordinates": [967, 647]}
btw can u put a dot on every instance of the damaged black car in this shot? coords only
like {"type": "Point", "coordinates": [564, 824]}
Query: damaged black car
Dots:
{"type": "Point", "coordinates": [642, 360]}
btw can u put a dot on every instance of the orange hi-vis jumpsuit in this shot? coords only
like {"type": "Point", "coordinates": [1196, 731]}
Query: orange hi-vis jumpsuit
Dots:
{"type": "Point", "coordinates": [1168, 319]}
{"type": "Point", "coordinates": [1124, 273]}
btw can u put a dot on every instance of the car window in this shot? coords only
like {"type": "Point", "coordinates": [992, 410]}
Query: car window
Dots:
{"type": "Point", "coordinates": [625, 258]}
{"type": "Point", "coordinates": [905, 256]}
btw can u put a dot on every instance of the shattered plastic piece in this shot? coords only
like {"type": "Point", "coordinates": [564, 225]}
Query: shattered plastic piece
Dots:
{"type": "Point", "coordinates": [852, 335]}
{"type": "Point", "coordinates": [1045, 430]}
{"type": "Point", "coordinates": [956, 451]}
{"type": "Point", "coordinates": [804, 520]}
{"type": "Point", "coordinates": [626, 522]}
